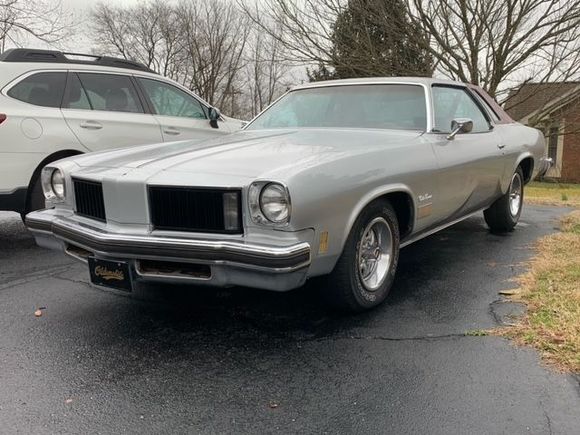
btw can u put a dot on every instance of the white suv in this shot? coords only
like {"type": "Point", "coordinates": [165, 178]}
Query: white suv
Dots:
{"type": "Point", "coordinates": [55, 105]}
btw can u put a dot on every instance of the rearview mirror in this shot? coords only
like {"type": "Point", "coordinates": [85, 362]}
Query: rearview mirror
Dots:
{"type": "Point", "coordinates": [214, 116]}
{"type": "Point", "coordinates": [460, 125]}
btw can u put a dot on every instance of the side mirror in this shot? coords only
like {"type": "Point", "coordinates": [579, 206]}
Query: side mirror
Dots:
{"type": "Point", "coordinates": [460, 125]}
{"type": "Point", "coordinates": [214, 116]}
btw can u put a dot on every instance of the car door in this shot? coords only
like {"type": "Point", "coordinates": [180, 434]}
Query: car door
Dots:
{"type": "Point", "coordinates": [104, 111]}
{"type": "Point", "coordinates": [470, 164]}
{"type": "Point", "coordinates": [180, 115]}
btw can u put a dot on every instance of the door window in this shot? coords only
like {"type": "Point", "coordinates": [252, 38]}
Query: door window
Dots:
{"type": "Point", "coordinates": [168, 100]}
{"type": "Point", "coordinates": [110, 92]}
{"type": "Point", "coordinates": [42, 89]}
{"type": "Point", "coordinates": [490, 110]}
{"type": "Point", "coordinates": [451, 103]}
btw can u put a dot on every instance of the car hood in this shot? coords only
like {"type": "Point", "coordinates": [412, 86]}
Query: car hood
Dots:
{"type": "Point", "coordinates": [248, 154]}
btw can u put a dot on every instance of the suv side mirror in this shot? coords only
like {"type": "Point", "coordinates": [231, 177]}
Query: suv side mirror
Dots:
{"type": "Point", "coordinates": [214, 116]}
{"type": "Point", "coordinates": [460, 125]}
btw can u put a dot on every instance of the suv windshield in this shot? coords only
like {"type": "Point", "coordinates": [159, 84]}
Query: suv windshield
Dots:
{"type": "Point", "coordinates": [390, 106]}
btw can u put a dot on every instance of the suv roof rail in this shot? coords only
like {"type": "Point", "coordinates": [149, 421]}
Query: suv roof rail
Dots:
{"type": "Point", "coordinates": [53, 56]}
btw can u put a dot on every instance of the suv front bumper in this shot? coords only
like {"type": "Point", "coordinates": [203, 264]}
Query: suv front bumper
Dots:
{"type": "Point", "coordinates": [231, 262]}
{"type": "Point", "coordinates": [14, 201]}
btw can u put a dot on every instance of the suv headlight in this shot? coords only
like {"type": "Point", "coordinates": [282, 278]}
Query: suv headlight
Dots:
{"type": "Point", "coordinates": [269, 203]}
{"type": "Point", "coordinates": [53, 184]}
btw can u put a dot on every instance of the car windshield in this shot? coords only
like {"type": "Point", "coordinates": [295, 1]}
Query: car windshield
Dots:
{"type": "Point", "coordinates": [389, 106]}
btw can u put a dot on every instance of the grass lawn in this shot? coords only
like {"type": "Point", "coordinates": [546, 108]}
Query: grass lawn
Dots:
{"type": "Point", "coordinates": [551, 292]}
{"type": "Point", "coordinates": [553, 194]}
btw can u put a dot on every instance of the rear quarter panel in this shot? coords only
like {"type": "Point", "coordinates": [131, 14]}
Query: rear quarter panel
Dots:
{"type": "Point", "coordinates": [29, 135]}
{"type": "Point", "coordinates": [521, 142]}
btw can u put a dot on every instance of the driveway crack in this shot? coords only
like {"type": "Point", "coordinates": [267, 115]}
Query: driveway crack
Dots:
{"type": "Point", "coordinates": [386, 338]}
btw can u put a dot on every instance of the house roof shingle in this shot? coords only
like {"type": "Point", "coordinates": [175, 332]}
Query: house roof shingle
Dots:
{"type": "Point", "coordinates": [531, 97]}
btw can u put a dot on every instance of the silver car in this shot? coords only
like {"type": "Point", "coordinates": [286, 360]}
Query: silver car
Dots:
{"type": "Point", "coordinates": [331, 180]}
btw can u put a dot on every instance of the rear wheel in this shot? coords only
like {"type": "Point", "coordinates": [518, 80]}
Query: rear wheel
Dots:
{"type": "Point", "coordinates": [364, 273]}
{"type": "Point", "coordinates": [505, 213]}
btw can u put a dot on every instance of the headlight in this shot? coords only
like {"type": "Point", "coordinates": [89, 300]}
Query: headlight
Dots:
{"type": "Point", "coordinates": [57, 182]}
{"type": "Point", "coordinates": [269, 203]}
{"type": "Point", "coordinates": [53, 184]}
{"type": "Point", "coordinates": [274, 203]}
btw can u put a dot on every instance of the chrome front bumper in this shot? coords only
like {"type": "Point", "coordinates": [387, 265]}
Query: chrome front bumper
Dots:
{"type": "Point", "coordinates": [232, 262]}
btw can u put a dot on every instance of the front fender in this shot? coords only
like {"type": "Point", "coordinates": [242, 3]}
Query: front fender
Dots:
{"type": "Point", "coordinates": [373, 195]}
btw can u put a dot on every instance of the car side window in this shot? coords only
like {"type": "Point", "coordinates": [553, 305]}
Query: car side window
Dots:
{"type": "Point", "coordinates": [168, 100]}
{"type": "Point", "coordinates": [110, 92]}
{"type": "Point", "coordinates": [43, 89]}
{"type": "Point", "coordinates": [487, 106]}
{"type": "Point", "coordinates": [454, 102]}
{"type": "Point", "coordinates": [75, 96]}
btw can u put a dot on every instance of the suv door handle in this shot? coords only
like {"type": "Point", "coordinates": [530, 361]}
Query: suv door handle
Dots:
{"type": "Point", "coordinates": [501, 147]}
{"type": "Point", "coordinates": [172, 131]}
{"type": "Point", "coordinates": [91, 125]}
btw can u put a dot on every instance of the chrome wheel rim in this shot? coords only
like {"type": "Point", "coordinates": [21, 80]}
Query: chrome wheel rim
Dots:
{"type": "Point", "coordinates": [515, 199]}
{"type": "Point", "coordinates": [375, 254]}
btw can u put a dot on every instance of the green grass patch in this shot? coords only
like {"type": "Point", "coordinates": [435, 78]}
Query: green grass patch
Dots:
{"type": "Point", "coordinates": [477, 333]}
{"type": "Point", "coordinates": [553, 194]}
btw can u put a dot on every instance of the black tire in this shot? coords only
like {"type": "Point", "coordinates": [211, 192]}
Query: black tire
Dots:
{"type": "Point", "coordinates": [500, 217]}
{"type": "Point", "coordinates": [35, 200]}
{"type": "Point", "coordinates": [344, 288]}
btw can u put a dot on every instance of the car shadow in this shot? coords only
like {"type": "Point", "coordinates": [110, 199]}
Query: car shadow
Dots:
{"type": "Point", "coordinates": [302, 313]}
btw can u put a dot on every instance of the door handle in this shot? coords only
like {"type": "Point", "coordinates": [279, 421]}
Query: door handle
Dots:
{"type": "Point", "coordinates": [501, 147]}
{"type": "Point", "coordinates": [91, 125]}
{"type": "Point", "coordinates": [172, 131]}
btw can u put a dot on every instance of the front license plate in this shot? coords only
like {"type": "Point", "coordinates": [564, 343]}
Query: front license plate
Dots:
{"type": "Point", "coordinates": [107, 273]}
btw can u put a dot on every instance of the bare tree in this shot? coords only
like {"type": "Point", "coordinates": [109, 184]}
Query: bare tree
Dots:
{"type": "Point", "coordinates": [345, 38]}
{"type": "Point", "coordinates": [267, 73]}
{"type": "Point", "coordinates": [493, 42]}
{"type": "Point", "coordinates": [303, 27]}
{"type": "Point", "coordinates": [214, 38]}
{"type": "Point", "coordinates": [39, 19]}
{"type": "Point", "coordinates": [497, 44]}
{"type": "Point", "coordinates": [146, 33]}
{"type": "Point", "coordinates": [200, 44]}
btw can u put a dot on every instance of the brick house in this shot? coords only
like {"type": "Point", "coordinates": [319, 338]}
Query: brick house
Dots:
{"type": "Point", "coordinates": [554, 108]}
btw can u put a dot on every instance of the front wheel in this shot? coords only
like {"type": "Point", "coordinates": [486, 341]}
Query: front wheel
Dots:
{"type": "Point", "coordinates": [504, 214]}
{"type": "Point", "coordinates": [364, 273]}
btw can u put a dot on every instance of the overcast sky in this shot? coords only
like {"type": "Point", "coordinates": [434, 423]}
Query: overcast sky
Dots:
{"type": "Point", "coordinates": [87, 4]}
{"type": "Point", "coordinates": [81, 9]}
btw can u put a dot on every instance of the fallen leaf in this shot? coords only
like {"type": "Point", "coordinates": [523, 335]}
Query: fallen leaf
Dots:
{"type": "Point", "coordinates": [509, 292]}
{"type": "Point", "coordinates": [38, 313]}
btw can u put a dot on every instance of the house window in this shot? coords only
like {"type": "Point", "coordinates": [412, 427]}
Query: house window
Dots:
{"type": "Point", "coordinates": [553, 143]}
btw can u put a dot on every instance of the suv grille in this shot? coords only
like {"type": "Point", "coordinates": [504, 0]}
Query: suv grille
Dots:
{"type": "Point", "coordinates": [89, 199]}
{"type": "Point", "coordinates": [196, 209]}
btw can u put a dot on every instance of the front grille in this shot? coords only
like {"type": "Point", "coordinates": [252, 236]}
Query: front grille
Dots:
{"type": "Point", "coordinates": [194, 209]}
{"type": "Point", "coordinates": [89, 199]}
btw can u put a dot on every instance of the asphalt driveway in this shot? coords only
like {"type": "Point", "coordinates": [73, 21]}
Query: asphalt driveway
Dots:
{"type": "Point", "coordinates": [191, 360]}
